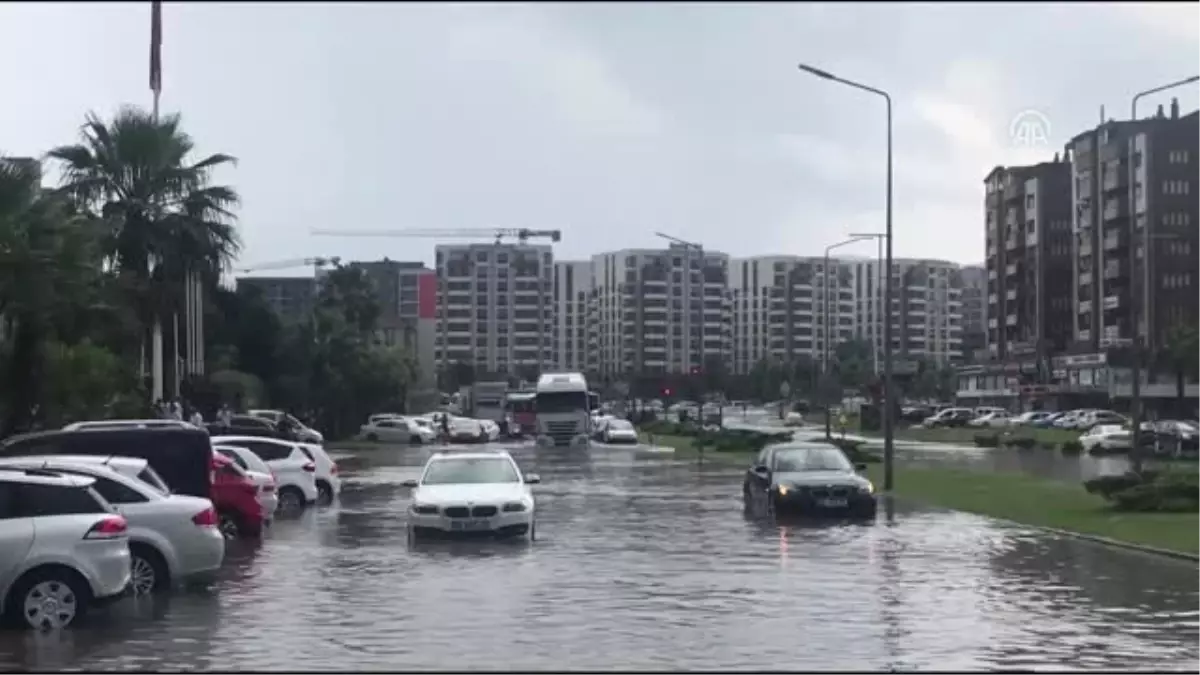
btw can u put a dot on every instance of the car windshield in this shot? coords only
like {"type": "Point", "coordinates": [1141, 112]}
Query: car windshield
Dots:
{"type": "Point", "coordinates": [620, 425]}
{"type": "Point", "coordinates": [470, 470]}
{"type": "Point", "coordinates": [561, 402]}
{"type": "Point", "coordinates": [811, 459]}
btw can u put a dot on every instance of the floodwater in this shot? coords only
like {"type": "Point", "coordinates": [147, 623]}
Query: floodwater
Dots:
{"type": "Point", "coordinates": [645, 562]}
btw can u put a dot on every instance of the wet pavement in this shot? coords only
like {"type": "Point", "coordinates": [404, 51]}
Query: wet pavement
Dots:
{"type": "Point", "coordinates": [646, 562]}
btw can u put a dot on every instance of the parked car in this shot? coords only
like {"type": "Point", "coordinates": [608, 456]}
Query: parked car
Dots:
{"type": "Point", "coordinates": [1175, 438]}
{"type": "Point", "coordinates": [1106, 438]}
{"type": "Point", "coordinates": [477, 492]}
{"type": "Point", "coordinates": [63, 549]}
{"type": "Point", "coordinates": [463, 430]}
{"type": "Point", "coordinates": [995, 418]}
{"type": "Point", "coordinates": [295, 473]}
{"type": "Point", "coordinates": [1048, 421]}
{"type": "Point", "coordinates": [916, 414]}
{"type": "Point", "coordinates": [397, 430]}
{"type": "Point", "coordinates": [383, 416]}
{"type": "Point", "coordinates": [1072, 418]}
{"type": "Point", "coordinates": [1097, 417]}
{"type": "Point", "coordinates": [172, 538]}
{"type": "Point", "coordinates": [239, 511]}
{"type": "Point", "coordinates": [300, 430]}
{"type": "Point", "coordinates": [1028, 419]}
{"type": "Point", "coordinates": [809, 479]}
{"type": "Point", "coordinates": [329, 483]}
{"type": "Point", "coordinates": [619, 431]}
{"type": "Point", "coordinates": [793, 419]}
{"type": "Point", "coordinates": [258, 471]}
{"type": "Point", "coordinates": [950, 417]}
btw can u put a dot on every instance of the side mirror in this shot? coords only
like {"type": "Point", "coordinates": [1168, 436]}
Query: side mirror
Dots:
{"type": "Point", "coordinates": [532, 479]}
{"type": "Point", "coordinates": [761, 471]}
{"type": "Point", "coordinates": [410, 483]}
{"type": "Point", "coordinates": [860, 467]}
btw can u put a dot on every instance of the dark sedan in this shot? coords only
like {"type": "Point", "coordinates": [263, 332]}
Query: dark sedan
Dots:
{"type": "Point", "coordinates": [807, 479]}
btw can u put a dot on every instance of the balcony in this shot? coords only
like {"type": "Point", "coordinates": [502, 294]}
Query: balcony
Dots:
{"type": "Point", "coordinates": [1113, 241]}
{"type": "Point", "coordinates": [1115, 208]}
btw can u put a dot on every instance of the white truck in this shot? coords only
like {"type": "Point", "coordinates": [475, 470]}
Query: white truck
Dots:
{"type": "Point", "coordinates": [485, 401]}
{"type": "Point", "coordinates": [563, 410]}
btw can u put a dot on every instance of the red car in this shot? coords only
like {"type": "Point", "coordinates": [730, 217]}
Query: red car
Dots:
{"type": "Point", "coordinates": [235, 496]}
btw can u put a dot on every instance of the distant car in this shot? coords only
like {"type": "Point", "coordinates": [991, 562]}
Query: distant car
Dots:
{"type": "Point", "coordinates": [1028, 419]}
{"type": "Point", "coordinates": [472, 492]}
{"type": "Point", "coordinates": [463, 430]}
{"type": "Point", "coordinates": [491, 429]}
{"type": "Point", "coordinates": [1097, 417]}
{"type": "Point", "coordinates": [1046, 422]}
{"type": "Point", "coordinates": [619, 431]}
{"type": "Point", "coordinates": [383, 416]}
{"type": "Point", "coordinates": [793, 419]}
{"type": "Point", "coordinates": [1106, 438]}
{"type": "Point", "coordinates": [949, 417]}
{"type": "Point", "coordinates": [1175, 438]}
{"type": "Point", "coordinates": [302, 431]}
{"type": "Point", "coordinates": [808, 479]}
{"type": "Point", "coordinates": [64, 548]}
{"type": "Point", "coordinates": [258, 471]}
{"type": "Point", "coordinates": [172, 538]}
{"type": "Point", "coordinates": [397, 430]}
{"type": "Point", "coordinates": [996, 418]}
{"type": "Point", "coordinates": [1072, 418]}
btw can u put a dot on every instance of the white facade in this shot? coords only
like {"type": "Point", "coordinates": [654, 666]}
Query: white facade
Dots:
{"type": "Point", "coordinates": [495, 307]}
{"type": "Point", "coordinates": [927, 321]}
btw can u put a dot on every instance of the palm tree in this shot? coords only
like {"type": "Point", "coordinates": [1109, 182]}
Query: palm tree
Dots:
{"type": "Point", "coordinates": [48, 264]}
{"type": "Point", "coordinates": [167, 220]}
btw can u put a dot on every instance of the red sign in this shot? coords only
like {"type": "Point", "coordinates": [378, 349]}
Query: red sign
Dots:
{"type": "Point", "coordinates": [427, 287]}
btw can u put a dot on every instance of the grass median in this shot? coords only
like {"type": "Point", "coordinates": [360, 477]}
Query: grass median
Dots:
{"type": "Point", "coordinates": [1042, 502]}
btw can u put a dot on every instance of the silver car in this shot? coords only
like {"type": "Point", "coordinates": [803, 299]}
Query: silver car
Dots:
{"type": "Point", "coordinates": [172, 538]}
{"type": "Point", "coordinates": [62, 548]}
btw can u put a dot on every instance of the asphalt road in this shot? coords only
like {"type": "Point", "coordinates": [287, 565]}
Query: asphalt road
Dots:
{"type": "Point", "coordinates": [645, 562]}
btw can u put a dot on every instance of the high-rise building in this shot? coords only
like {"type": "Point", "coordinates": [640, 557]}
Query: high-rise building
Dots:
{"type": "Point", "coordinates": [655, 311]}
{"type": "Point", "coordinates": [1108, 295]}
{"type": "Point", "coordinates": [974, 312]}
{"type": "Point", "coordinates": [1028, 238]}
{"type": "Point", "coordinates": [778, 309]}
{"type": "Point", "coordinates": [572, 298]}
{"type": "Point", "coordinates": [407, 296]}
{"type": "Point", "coordinates": [927, 316]}
{"type": "Point", "coordinates": [496, 308]}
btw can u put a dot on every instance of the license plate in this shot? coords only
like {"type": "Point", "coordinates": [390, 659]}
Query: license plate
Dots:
{"type": "Point", "coordinates": [833, 503]}
{"type": "Point", "coordinates": [472, 525]}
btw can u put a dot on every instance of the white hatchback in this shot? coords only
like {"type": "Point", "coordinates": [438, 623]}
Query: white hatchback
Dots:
{"type": "Point", "coordinates": [472, 493]}
{"type": "Point", "coordinates": [63, 549]}
{"type": "Point", "coordinates": [329, 483]}
{"type": "Point", "coordinates": [172, 538]}
{"type": "Point", "coordinates": [295, 473]}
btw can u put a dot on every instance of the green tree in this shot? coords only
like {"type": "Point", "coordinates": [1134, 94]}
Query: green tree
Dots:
{"type": "Point", "coordinates": [166, 218]}
{"type": "Point", "coordinates": [1181, 356]}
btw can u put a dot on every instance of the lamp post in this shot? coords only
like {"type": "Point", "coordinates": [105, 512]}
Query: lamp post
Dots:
{"type": "Point", "coordinates": [828, 336]}
{"type": "Point", "coordinates": [1141, 338]}
{"type": "Point", "coordinates": [878, 237]}
{"type": "Point", "coordinates": [888, 432]}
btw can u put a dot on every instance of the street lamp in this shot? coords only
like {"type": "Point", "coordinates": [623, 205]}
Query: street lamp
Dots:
{"type": "Point", "coordinates": [878, 237]}
{"type": "Point", "coordinates": [888, 433]}
{"type": "Point", "coordinates": [825, 355]}
{"type": "Point", "coordinates": [1141, 338]}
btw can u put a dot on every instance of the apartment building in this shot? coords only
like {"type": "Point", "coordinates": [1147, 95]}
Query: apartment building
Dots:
{"type": "Point", "coordinates": [1109, 262]}
{"type": "Point", "coordinates": [653, 311]}
{"type": "Point", "coordinates": [573, 292]}
{"type": "Point", "coordinates": [1029, 260]}
{"type": "Point", "coordinates": [495, 307]}
{"type": "Point", "coordinates": [407, 296]}
{"type": "Point", "coordinates": [778, 308]}
{"type": "Point", "coordinates": [973, 279]}
{"type": "Point", "coordinates": [291, 298]}
{"type": "Point", "coordinates": [927, 309]}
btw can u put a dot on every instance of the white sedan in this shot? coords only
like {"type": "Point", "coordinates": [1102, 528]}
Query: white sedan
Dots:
{"type": "Point", "coordinates": [397, 430]}
{"type": "Point", "coordinates": [619, 431]}
{"type": "Point", "coordinates": [472, 492]}
{"type": "Point", "coordinates": [1106, 438]}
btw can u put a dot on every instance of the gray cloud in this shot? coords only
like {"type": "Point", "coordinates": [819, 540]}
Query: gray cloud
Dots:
{"type": "Point", "coordinates": [607, 121]}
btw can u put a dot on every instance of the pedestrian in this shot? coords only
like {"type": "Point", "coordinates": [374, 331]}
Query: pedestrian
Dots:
{"type": "Point", "coordinates": [176, 410]}
{"type": "Point", "coordinates": [159, 410]}
{"type": "Point", "coordinates": [445, 427]}
{"type": "Point", "coordinates": [225, 415]}
{"type": "Point", "coordinates": [197, 418]}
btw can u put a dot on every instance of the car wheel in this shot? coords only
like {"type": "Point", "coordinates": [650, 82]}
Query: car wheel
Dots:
{"type": "Point", "coordinates": [48, 598]}
{"type": "Point", "coordinates": [148, 570]}
{"type": "Point", "coordinates": [372, 437]}
{"type": "Point", "coordinates": [291, 500]}
{"type": "Point", "coordinates": [228, 524]}
{"type": "Point", "coordinates": [415, 440]}
{"type": "Point", "coordinates": [324, 493]}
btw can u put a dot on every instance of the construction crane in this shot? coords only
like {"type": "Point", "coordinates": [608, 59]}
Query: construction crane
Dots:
{"type": "Point", "coordinates": [316, 263]}
{"type": "Point", "coordinates": [522, 235]}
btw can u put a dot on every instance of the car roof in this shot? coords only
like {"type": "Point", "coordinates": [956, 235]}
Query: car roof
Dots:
{"type": "Point", "coordinates": [133, 465]}
{"type": "Point", "coordinates": [234, 440]}
{"type": "Point", "coordinates": [44, 477]}
{"type": "Point", "coordinates": [474, 453]}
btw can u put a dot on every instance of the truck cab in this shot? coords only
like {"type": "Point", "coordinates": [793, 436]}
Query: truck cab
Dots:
{"type": "Point", "coordinates": [563, 410]}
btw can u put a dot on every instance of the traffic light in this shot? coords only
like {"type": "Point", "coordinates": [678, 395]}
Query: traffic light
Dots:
{"type": "Point", "coordinates": [666, 391]}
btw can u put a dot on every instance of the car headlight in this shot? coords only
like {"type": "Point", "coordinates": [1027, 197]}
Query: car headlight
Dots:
{"type": "Point", "coordinates": [783, 489]}
{"type": "Point", "coordinates": [869, 488]}
{"type": "Point", "coordinates": [425, 509]}
{"type": "Point", "coordinates": [514, 507]}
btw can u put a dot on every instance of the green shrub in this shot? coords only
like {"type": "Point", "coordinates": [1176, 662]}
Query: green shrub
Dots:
{"type": "Point", "coordinates": [1177, 491]}
{"type": "Point", "coordinates": [1071, 448]}
{"type": "Point", "coordinates": [987, 440]}
{"type": "Point", "coordinates": [1021, 442]}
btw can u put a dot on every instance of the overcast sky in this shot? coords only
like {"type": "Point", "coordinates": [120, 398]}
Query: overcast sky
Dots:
{"type": "Point", "coordinates": [608, 122]}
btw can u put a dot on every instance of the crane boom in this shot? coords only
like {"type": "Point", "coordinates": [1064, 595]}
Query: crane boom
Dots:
{"type": "Point", "coordinates": [521, 234]}
{"type": "Point", "coordinates": [285, 264]}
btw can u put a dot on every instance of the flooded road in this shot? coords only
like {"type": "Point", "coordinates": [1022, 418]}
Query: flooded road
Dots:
{"type": "Point", "coordinates": [645, 562]}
